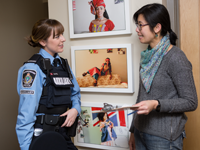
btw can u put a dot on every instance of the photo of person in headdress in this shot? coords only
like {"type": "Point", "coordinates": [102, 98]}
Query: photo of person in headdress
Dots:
{"type": "Point", "coordinates": [97, 17]}
{"type": "Point", "coordinates": [101, 22]}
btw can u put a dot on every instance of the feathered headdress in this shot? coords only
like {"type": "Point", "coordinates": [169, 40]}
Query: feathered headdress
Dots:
{"type": "Point", "coordinates": [96, 3]}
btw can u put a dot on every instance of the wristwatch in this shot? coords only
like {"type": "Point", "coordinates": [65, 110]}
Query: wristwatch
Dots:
{"type": "Point", "coordinates": [158, 106]}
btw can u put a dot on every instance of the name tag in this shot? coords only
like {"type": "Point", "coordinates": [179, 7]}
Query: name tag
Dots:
{"type": "Point", "coordinates": [29, 92]}
{"type": "Point", "coordinates": [62, 81]}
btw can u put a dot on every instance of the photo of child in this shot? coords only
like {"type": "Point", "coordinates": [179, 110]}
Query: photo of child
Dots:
{"type": "Point", "coordinates": [106, 127]}
{"type": "Point", "coordinates": [103, 130]}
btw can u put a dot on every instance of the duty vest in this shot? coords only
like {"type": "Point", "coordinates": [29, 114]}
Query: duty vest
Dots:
{"type": "Point", "coordinates": [56, 90]}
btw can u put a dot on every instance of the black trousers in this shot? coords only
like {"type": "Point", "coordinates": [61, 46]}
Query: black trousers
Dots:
{"type": "Point", "coordinates": [70, 144]}
{"type": "Point", "coordinates": [63, 132]}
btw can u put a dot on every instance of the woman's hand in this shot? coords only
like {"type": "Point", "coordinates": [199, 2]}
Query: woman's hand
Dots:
{"type": "Point", "coordinates": [132, 142]}
{"type": "Point", "coordinates": [145, 107]}
{"type": "Point", "coordinates": [71, 116]}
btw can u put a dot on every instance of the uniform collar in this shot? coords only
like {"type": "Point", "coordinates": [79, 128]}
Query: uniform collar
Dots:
{"type": "Point", "coordinates": [45, 54]}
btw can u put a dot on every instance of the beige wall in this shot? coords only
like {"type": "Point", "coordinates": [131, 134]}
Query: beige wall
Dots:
{"type": "Point", "coordinates": [17, 19]}
{"type": "Point", "coordinates": [190, 44]}
{"type": "Point", "coordinates": [59, 10]}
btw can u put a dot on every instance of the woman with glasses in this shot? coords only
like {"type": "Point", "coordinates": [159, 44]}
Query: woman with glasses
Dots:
{"type": "Point", "coordinates": [166, 89]}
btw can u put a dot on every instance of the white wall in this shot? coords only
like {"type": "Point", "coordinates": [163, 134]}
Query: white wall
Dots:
{"type": "Point", "coordinates": [59, 10]}
{"type": "Point", "coordinates": [17, 19]}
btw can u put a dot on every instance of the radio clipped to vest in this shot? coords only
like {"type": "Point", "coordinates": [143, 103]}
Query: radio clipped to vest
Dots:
{"type": "Point", "coordinates": [46, 64]}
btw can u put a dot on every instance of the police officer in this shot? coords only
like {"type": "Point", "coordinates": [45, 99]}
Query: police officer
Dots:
{"type": "Point", "coordinates": [49, 93]}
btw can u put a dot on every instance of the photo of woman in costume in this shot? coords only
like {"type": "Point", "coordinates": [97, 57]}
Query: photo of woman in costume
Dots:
{"type": "Point", "coordinates": [96, 72]}
{"type": "Point", "coordinates": [102, 22]}
{"type": "Point", "coordinates": [108, 135]}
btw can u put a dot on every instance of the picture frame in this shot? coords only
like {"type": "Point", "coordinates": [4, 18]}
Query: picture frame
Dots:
{"type": "Point", "coordinates": [87, 59]}
{"type": "Point", "coordinates": [80, 18]}
{"type": "Point", "coordinates": [89, 135]}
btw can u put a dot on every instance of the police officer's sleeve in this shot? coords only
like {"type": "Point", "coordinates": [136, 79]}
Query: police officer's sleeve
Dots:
{"type": "Point", "coordinates": [76, 96]}
{"type": "Point", "coordinates": [29, 88]}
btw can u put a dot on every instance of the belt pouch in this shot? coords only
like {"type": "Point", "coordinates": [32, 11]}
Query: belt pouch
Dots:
{"type": "Point", "coordinates": [71, 131]}
{"type": "Point", "coordinates": [51, 123]}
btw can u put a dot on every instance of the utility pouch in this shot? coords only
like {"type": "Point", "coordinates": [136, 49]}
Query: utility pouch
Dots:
{"type": "Point", "coordinates": [51, 120]}
{"type": "Point", "coordinates": [71, 131]}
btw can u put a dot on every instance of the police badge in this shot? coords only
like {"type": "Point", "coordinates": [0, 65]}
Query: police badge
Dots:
{"type": "Point", "coordinates": [28, 78]}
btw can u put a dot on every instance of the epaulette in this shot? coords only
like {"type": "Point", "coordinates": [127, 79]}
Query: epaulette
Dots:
{"type": "Point", "coordinates": [43, 63]}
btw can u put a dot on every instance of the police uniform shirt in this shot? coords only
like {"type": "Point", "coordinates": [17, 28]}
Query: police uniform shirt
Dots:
{"type": "Point", "coordinates": [29, 87]}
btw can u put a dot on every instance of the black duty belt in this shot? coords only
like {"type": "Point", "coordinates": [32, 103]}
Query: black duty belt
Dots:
{"type": "Point", "coordinates": [54, 110]}
{"type": "Point", "coordinates": [53, 123]}
{"type": "Point", "coordinates": [50, 122]}
{"type": "Point", "coordinates": [50, 119]}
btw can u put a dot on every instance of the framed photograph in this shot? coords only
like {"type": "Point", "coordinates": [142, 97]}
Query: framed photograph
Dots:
{"type": "Point", "coordinates": [103, 130]}
{"type": "Point", "coordinates": [103, 68]}
{"type": "Point", "coordinates": [85, 21]}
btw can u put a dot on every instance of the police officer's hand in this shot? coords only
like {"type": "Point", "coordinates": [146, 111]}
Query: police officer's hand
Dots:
{"type": "Point", "coordinates": [71, 116]}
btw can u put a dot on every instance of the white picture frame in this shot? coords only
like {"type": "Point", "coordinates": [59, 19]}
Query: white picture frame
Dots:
{"type": "Point", "coordinates": [90, 135]}
{"type": "Point", "coordinates": [80, 18]}
{"type": "Point", "coordinates": [122, 67]}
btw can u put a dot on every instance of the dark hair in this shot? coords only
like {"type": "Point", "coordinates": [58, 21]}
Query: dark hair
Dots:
{"type": "Point", "coordinates": [105, 14]}
{"type": "Point", "coordinates": [101, 115]}
{"type": "Point", "coordinates": [109, 64]}
{"type": "Point", "coordinates": [42, 30]}
{"type": "Point", "coordinates": [154, 14]}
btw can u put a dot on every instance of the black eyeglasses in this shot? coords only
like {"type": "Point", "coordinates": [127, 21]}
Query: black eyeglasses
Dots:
{"type": "Point", "coordinates": [139, 26]}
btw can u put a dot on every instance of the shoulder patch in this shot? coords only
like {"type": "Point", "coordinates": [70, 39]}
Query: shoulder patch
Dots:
{"type": "Point", "coordinates": [28, 78]}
